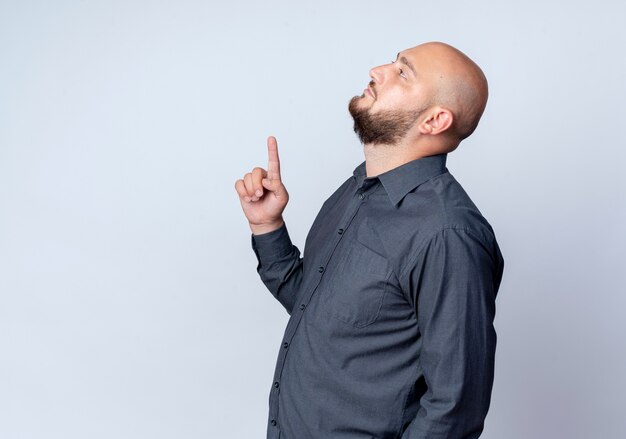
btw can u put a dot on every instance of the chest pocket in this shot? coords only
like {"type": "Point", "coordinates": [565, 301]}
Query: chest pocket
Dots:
{"type": "Point", "coordinates": [360, 281]}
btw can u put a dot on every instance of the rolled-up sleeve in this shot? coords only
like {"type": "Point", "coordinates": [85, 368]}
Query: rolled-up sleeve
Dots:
{"type": "Point", "coordinates": [279, 265]}
{"type": "Point", "coordinates": [452, 286]}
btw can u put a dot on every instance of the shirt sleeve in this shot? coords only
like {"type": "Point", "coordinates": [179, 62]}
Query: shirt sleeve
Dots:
{"type": "Point", "coordinates": [453, 285]}
{"type": "Point", "coordinates": [279, 265]}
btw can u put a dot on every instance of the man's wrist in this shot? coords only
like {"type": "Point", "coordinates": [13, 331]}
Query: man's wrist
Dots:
{"type": "Point", "coordinates": [259, 229]}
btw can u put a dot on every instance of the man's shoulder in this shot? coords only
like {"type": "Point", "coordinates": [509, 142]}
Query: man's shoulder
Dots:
{"type": "Point", "coordinates": [437, 205]}
{"type": "Point", "coordinates": [442, 203]}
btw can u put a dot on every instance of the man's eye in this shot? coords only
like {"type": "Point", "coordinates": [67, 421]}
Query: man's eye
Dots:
{"type": "Point", "coordinates": [401, 71]}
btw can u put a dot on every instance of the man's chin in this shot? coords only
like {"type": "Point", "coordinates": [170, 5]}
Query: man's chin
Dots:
{"type": "Point", "coordinates": [359, 103]}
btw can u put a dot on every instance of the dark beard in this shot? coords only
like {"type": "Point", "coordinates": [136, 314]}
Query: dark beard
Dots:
{"type": "Point", "coordinates": [386, 127]}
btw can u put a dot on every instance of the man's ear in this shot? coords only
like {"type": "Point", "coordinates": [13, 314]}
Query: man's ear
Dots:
{"type": "Point", "coordinates": [439, 119]}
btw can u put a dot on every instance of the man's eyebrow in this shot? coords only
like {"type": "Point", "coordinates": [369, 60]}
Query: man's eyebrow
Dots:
{"type": "Point", "coordinates": [406, 62]}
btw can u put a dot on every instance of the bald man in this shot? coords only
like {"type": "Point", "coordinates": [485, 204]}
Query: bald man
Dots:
{"type": "Point", "coordinates": [392, 303]}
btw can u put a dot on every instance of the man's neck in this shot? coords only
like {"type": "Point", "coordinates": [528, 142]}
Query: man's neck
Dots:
{"type": "Point", "coordinates": [382, 158]}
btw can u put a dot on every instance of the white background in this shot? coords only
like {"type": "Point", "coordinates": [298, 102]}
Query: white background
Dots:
{"type": "Point", "coordinates": [129, 302]}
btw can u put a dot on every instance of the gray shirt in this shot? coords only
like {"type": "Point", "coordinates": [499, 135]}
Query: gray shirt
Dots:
{"type": "Point", "coordinates": [391, 311]}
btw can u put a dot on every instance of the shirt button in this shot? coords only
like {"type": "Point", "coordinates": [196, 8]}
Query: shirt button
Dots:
{"type": "Point", "coordinates": [285, 345]}
{"type": "Point", "coordinates": [302, 306]}
{"type": "Point", "coordinates": [276, 384]}
{"type": "Point", "coordinates": [321, 269]}
{"type": "Point", "coordinates": [340, 231]}
{"type": "Point", "coordinates": [273, 422]}
{"type": "Point", "coordinates": [361, 196]}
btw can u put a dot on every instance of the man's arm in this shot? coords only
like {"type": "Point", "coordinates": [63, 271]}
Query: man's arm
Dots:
{"type": "Point", "coordinates": [263, 198]}
{"type": "Point", "coordinates": [453, 286]}
{"type": "Point", "coordinates": [279, 265]}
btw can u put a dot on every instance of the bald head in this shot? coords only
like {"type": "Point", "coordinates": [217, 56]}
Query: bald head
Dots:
{"type": "Point", "coordinates": [456, 83]}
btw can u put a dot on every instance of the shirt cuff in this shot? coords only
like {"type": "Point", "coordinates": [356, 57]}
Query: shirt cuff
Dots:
{"type": "Point", "coordinates": [273, 245]}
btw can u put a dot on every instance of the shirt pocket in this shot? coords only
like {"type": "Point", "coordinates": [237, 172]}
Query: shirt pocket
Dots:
{"type": "Point", "coordinates": [360, 282]}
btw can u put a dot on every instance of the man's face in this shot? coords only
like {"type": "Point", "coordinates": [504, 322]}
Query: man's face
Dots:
{"type": "Point", "coordinates": [393, 101]}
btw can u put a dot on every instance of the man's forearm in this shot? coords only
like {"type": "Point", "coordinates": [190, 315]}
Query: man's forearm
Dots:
{"type": "Point", "coordinates": [280, 265]}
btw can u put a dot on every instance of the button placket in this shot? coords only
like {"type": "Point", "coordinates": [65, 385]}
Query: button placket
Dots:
{"type": "Point", "coordinates": [295, 323]}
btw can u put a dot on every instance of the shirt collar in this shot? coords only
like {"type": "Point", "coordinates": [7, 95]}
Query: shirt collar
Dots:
{"type": "Point", "coordinates": [402, 179]}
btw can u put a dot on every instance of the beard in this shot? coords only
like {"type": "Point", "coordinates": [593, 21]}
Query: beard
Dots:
{"type": "Point", "coordinates": [385, 127]}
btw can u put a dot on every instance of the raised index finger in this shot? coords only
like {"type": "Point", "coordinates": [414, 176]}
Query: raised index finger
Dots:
{"type": "Point", "coordinates": [273, 162]}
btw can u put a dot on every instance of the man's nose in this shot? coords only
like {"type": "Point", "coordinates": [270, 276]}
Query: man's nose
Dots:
{"type": "Point", "coordinates": [377, 74]}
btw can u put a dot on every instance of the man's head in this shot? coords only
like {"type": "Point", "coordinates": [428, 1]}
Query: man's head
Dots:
{"type": "Point", "coordinates": [432, 94]}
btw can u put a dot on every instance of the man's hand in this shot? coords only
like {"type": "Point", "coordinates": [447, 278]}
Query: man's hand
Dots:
{"type": "Point", "coordinates": [262, 194]}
